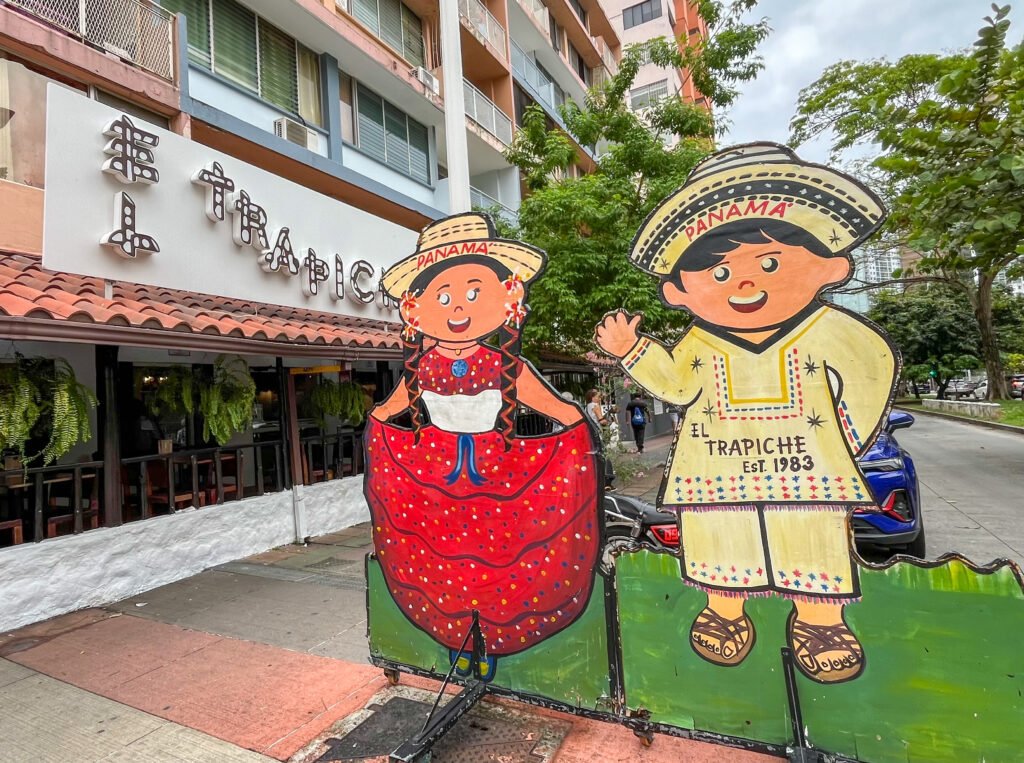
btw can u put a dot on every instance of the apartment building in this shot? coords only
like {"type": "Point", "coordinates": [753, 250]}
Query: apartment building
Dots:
{"type": "Point", "coordinates": [187, 180]}
{"type": "Point", "coordinates": [636, 23]}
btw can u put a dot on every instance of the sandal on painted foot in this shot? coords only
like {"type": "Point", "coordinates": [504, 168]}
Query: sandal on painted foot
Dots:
{"type": "Point", "coordinates": [825, 653]}
{"type": "Point", "coordinates": [720, 640]}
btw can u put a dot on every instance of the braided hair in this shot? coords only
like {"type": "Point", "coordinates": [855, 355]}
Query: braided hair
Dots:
{"type": "Point", "coordinates": [509, 343]}
{"type": "Point", "coordinates": [412, 351]}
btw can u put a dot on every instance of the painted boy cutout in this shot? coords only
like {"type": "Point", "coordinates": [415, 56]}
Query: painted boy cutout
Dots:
{"type": "Point", "coordinates": [468, 516]}
{"type": "Point", "coordinates": [781, 393]}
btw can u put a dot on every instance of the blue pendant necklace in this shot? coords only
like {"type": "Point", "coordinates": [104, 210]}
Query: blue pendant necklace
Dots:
{"type": "Point", "coordinates": [460, 368]}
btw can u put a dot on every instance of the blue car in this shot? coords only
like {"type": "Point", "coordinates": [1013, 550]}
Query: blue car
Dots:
{"type": "Point", "coordinates": [897, 523]}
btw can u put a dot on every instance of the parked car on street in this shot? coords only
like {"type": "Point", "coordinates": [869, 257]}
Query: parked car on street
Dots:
{"type": "Point", "coordinates": [1017, 385]}
{"type": "Point", "coordinates": [958, 388]}
{"type": "Point", "coordinates": [896, 524]}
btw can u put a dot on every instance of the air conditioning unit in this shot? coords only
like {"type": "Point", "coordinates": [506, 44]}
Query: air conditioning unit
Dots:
{"type": "Point", "coordinates": [428, 80]}
{"type": "Point", "coordinates": [296, 133]}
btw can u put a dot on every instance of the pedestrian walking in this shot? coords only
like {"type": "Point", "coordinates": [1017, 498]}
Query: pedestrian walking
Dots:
{"type": "Point", "coordinates": [639, 415]}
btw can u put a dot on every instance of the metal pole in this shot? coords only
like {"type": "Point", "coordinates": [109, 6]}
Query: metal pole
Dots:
{"type": "Point", "coordinates": [454, 108]}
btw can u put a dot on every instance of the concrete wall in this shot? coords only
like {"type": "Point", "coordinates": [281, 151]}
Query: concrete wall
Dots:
{"type": "Point", "coordinates": [990, 411]}
{"type": "Point", "coordinates": [42, 580]}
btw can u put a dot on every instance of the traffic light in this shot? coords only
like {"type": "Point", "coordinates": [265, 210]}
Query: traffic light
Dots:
{"type": "Point", "coordinates": [934, 373]}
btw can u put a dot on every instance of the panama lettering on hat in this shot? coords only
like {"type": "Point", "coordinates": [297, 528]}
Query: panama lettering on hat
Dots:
{"type": "Point", "coordinates": [456, 236]}
{"type": "Point", "coordinates": [757, 181]}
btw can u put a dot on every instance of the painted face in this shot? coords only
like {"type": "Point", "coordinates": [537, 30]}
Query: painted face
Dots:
{"type": "Point", "coordinates": [462, 303]}
{"type": "Point", "coordinates": [756, 286]}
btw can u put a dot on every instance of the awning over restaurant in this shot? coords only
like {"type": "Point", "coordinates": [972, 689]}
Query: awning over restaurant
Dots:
{"type": "Point", "coordinates": [39, 304]}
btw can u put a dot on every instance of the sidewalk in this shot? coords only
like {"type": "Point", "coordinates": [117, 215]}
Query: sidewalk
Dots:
{"type": "Point", "coordinates": [255, 660]}
{"type": "Point", "coordinates": [647, 485]}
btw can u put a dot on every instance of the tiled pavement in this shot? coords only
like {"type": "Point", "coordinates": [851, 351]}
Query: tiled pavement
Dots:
{"type": "Point", "coordinates": [255, 658]}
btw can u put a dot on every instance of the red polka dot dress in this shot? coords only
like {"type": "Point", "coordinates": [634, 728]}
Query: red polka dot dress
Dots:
{"type": "Point", "coordinates": [462, 524]}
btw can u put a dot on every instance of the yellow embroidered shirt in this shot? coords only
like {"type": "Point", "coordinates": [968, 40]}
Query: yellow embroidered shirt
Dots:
{"type": "Point", "coordinates": [777, 422]}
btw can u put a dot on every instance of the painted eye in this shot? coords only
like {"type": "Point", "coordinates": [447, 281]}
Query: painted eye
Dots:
{"type": "Point", "coordinates": [769, 264]}
{"type": "Point", "coordinates": [472, 294]}
{"type": "Point", "coordinates": [444, 298]}
{"type": "Point", "coordinates": [722, 274]}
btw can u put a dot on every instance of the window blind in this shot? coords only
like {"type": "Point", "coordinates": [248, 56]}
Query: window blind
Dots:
{"type": "Point", "coordinates": [397, 129]}
{"type": "Point", "coordinates": [391, 23]}
{"type": "Point", "coordinates": [197, 12]}
{"type": "Point", "coordinates": [419, 151]}
{"type": "Point", "coordinates": [278, 68]}
{"type": "Point", "coordinates": [412, 31]}
{"type": "Point", "coordinates": [365, 12]}
{"type": "Point", "coordinates": [234, 43]}
{"type": "Point", "coordinates": [371, 124]}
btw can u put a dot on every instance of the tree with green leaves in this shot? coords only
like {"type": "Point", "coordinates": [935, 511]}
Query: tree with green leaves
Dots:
{"type": "Point", "coordinates": [950, 133]}
{"type": "Point", "coordinates": [586, 224]}
{"type": "Point", "coordinates": [933, 327]}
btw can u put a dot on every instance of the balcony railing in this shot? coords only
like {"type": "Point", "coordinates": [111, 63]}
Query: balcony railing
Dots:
{"type": "Point", "coordinates": [485, 113]}
{"type": "Point", "coordinates": [137, 31]}
{"type": "Point", "coordinates": [537, 11]}
{"type": "Point", "coordinates": [481, 200]}
{"type": "Point", "coordinates": [486, 26]}
{"type": "Point", "coordinates": [524, 66]}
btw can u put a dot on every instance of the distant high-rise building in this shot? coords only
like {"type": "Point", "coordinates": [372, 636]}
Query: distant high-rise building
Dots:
{"type": "Point", "coordinates": [871, 266]}
{"type": "Point", "coordinates": [637, 23]}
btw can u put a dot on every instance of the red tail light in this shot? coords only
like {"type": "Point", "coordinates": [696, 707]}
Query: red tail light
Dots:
{"type": "Point", "coordinates": [897, 506]}
{"type": "Point", "coordinates": [667, 534]}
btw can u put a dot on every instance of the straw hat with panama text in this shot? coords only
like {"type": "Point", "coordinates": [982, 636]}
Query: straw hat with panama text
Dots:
{"type": "Point", "coordinates": [446, 240]}
{"type": "Point", "coordinates": [752, 182]}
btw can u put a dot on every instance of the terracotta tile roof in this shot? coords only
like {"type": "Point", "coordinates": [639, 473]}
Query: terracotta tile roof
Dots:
{"type": "Point", "coordinates": [30, 292]}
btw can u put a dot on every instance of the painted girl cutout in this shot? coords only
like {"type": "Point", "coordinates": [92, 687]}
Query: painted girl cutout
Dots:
{"type": "Point", "coordinates": [466, 514]}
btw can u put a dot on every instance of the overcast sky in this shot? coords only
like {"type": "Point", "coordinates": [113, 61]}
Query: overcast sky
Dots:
{"type": "Point", "coordinates": [809, 35]}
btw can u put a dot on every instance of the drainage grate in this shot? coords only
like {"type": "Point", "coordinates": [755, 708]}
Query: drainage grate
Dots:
{"type": "Point", "coordinates": [333, 566]}
{"type": "Point", "coordinates": [487, 734]}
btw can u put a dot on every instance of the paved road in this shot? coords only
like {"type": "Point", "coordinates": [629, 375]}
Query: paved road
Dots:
{"type": "Point", "coordinates": [972, 486]}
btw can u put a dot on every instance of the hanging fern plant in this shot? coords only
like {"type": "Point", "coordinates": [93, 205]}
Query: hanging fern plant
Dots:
{"type": "Point", "coordinates": [226, 403]}
{"type": "Point", "coordinates": [71, 404]}
{"type": "Point", "coordinates": [346, 401]}
{"type": "Point", "coordinates": [20, 408]}
{"type": "Point", "coordinates": [176, 393]}
{"type": "Point", "coordinates": [35, 393]}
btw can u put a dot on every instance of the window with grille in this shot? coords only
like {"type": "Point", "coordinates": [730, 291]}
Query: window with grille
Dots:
{"type": "Point", "coordinates": [395, 24]}
{"type": "Point", "coordinates": [229, 39]}
{"type": "Point", "coordinates": [642, 97]}
{"type": "Point", "coordinates": [641, 13]}
{"type": "Point", "coordinates": [391, 136]}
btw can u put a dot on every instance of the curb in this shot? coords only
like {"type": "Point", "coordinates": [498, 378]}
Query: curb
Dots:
{"type": "Point", "coordinates": [915, 410]}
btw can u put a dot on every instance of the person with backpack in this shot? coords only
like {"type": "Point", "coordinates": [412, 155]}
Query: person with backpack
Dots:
{"type": "Point", "coordinates": [639, 415]}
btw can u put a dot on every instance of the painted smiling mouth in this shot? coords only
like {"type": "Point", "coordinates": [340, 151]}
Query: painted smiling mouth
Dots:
{"type": "Point", "coordinates": [749, 304]}
{"type": "Point", "coordinates": [458, 326]}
